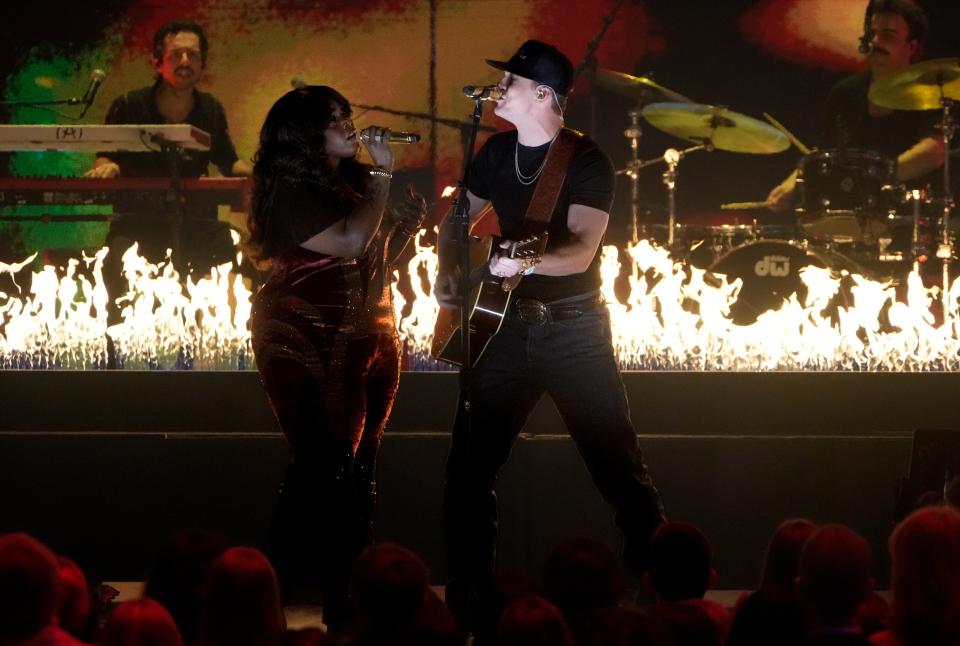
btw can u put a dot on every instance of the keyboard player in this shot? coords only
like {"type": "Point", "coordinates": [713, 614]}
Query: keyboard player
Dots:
{"type": "Point", "coordinates": [179, 57]}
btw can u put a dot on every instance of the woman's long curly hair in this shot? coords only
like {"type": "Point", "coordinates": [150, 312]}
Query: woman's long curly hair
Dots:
{"type": "Point", "coordinates": [292, 156]}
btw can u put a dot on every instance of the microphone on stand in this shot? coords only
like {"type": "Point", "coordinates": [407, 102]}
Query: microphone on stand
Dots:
{"type": "Point", "coordinates": [484, 93]}
{"type": "Point", "coordinates": [96, 80]}
{"type": "Point", "coordinates": [297, 83]}
{"type": "Point", "coordinates": [392, 137]}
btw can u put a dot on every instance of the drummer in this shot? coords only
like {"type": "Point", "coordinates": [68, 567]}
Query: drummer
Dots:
{"type": "Point", "coordinates": [893, 40]}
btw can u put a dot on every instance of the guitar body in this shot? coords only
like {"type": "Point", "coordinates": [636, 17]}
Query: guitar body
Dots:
{"type": "Point", "coordinates": [488, 302]}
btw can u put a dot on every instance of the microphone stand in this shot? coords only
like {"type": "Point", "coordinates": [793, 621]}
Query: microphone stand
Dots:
{"type": "Point", "coordinates": [41, 104]}
{"type": "Point", "coordinates": [46, 105]}
{"type": "Point", "coordinates": [461, 215]}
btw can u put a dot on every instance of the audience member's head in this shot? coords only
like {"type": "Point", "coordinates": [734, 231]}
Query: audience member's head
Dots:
{"type": "Point", "coordinates": [75, 602]}
{"type": "Point", "coordinates": [682, 562]}
{"type": "Point", "coordinates": [143, 622]}
{"type": "Point", "coordinates": [29, 587]}
{"type": "Point", "coordinates": [582, 575]}
{"type": "Point", "coordinates": [783, 556]}
{"type": "Point", "coordinates": [240, 601]}
{"type": "Point", "coordinates": [533, 621]}
{"type": "Point", "coordinates": [394, 604]}
{"type": "Point", "coordinates": [925, 554]}
{"type": "Point", "coordinates": [388, 585]}
{"type": "Point", "coordinates": [178, 572]}
{"type": "Point", "coordinates": [834, 575]}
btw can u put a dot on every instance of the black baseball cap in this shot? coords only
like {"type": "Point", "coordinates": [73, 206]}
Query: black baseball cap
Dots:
{"type": "Point", "coordinates": [542, 63]}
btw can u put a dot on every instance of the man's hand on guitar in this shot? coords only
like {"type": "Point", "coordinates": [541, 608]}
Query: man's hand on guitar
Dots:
{"type": "Point", "coordinates": [447, 289]}
{"type": "Point", "coordinates": [504, 266]}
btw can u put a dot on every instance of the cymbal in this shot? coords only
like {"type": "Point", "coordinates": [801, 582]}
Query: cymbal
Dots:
{"type": "Point", "coordinates": [920, 86]}
{"type": "Point", "coordinates": [637, 87]}
{"type": "Point", "coordinates": [725, 129]}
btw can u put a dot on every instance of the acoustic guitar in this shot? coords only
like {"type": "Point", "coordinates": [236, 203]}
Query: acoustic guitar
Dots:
{"type": "Point", "coordinates": [488, 301]}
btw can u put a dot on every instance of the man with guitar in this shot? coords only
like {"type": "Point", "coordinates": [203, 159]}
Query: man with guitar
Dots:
{"type": "Point", "coordinates": [555, 336]}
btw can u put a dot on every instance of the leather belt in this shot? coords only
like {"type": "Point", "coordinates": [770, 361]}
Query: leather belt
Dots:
{"type": "Point", "coordinates": [534, 312]}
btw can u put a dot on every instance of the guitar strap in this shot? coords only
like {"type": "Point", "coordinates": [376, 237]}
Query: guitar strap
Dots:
{"type": "Point", "coordinates": [547, 192]}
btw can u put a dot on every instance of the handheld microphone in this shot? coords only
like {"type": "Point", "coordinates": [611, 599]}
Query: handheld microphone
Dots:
{"type": "Point", "coordinates": [297, 83]}
{"type": "Point", "coordinates": [484, 93]}
{"type": "Point", "coordinates": [366, 136]}
{"type": "Point", "coordinates": [96, 80]}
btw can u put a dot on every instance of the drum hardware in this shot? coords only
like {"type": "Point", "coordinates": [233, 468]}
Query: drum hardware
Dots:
{"type": "Point", "coordinates": [709, 128]}
{"type": "Point", "coordinates": [672, 158]}
{"type": "Point", "coordinates": [706, 244]}
{"type": "Point", "coordinates": [845, 194]}
{"type": "Point", "coordinates": [644, 90]}
{"type": "Point", "coordinates": [945, 248]}
{"type": "Point", "coordinates": [633, 133]}
{"type": "Point", "coordinates": [922, 86]}
{"type": "Point", "coordinates": [919, 253]}
{"type": "Point", "coordinates": [717, 125]}
{"type": "Point", "coordinates": [929, 85]}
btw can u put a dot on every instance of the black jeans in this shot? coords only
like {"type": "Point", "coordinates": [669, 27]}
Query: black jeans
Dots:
{"type": "Point", "coordinates": [573, 361]}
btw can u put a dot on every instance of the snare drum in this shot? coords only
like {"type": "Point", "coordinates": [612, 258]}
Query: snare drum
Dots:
{"type": "Point", "coordinates": [706, 236]}
{"type": "Point", "coordinates": [770, 271]}
{"type": "Point", "coordinates": [846, 194]}
{"type": "Point", "coordinates": [700, 244]}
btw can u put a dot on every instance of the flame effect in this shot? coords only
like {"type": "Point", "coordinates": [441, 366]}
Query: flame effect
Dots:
{"type": "Point", "coordinates": [675, 317]}
{"type": "Point", "coordinates": [164, 324]}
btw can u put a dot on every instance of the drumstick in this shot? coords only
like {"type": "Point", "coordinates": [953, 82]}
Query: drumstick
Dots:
{"type": "Point", "coordinates": [743, 206]}
{"type": "Point", "coordinates": [793, 139]}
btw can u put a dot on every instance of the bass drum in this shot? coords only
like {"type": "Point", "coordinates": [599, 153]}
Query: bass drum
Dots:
{"type": "Point", "coordinates": [770, 271]}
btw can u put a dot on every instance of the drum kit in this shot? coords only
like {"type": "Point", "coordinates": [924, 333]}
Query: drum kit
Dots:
{"type": "Point", "coordinates": [854, 215]}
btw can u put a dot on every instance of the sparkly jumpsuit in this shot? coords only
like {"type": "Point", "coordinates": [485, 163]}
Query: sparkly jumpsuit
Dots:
{"type": "Point", "coordinates": [327, 350]}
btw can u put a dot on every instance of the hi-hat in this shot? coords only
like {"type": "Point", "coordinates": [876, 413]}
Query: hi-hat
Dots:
{"type": "Point", "coordinates": [640, 88]}
{"type": "Point", "coordinates": [716, 125]}
{"type": "Point", "coordinates": [921, 86]}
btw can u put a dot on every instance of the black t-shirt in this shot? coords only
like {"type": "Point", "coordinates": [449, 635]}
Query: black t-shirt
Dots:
{"type": "Point", "coordinates": [849, 124]}
{"type": "Point", "coordinates": [300, 211]}
{"type": "Point", "coordinates": [207, 114]}
{"type": "Point", "coordinates": [589, 181]}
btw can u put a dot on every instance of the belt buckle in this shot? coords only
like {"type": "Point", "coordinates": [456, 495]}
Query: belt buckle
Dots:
{"type": "Point", "coordinates": [531, 311]}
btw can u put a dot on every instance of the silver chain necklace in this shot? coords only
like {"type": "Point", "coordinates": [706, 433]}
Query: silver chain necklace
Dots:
{"type": "Point", "coordinates": [527, 180]}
